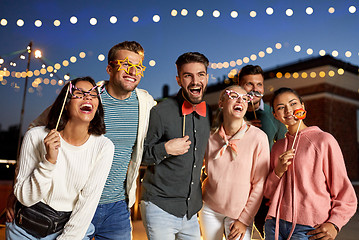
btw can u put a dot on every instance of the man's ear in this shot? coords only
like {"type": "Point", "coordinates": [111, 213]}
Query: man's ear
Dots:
{"type": "Point", "coordinates": [109, 69]}
{"type": "Point", "coordinates": [178, 79]}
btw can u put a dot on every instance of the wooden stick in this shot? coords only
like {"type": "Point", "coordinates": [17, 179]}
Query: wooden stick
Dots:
{"type": "Point", "coordinates": [63, 105]}
{"type": "Point", "coordinates": [300, 121]}
{"type": "Point", "coordinates": [184, 125]}
{"type": "Point", "coordinates": [254, 111]}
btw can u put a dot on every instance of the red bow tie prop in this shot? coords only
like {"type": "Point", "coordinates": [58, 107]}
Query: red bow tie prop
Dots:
{"type": "Point", "coordinates": [188, 108]}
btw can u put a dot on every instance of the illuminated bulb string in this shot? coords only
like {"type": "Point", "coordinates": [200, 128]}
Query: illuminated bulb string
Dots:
{"type": "Point", "coordinates": [269, 50]}
{"type": "Point", "coordinates": [214, 65]}
{"type": "Point", "coordinates": [183, 12]}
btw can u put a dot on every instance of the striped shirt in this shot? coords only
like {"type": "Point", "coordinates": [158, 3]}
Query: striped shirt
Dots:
{"type": "Point", "coordinates": [121, 119]}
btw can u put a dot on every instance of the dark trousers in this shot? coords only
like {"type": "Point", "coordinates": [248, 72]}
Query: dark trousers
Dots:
{"type": "Point", "coordinates": [259, 219]}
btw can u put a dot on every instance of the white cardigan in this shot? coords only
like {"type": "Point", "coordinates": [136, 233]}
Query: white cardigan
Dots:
{"type": "Point", "coordinates": [146, 103]}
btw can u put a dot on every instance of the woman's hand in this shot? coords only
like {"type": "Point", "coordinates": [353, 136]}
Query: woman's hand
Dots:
{"type": "Point", "coordinates": [284, 162]}
{"type": "Point", "coordinates": [325, 231]}
{"type": "Point", "coordinates": [52, 144]}
{"type": "Point", "coordinates": [10, 213]}
{"type": "Point", "coordinates": [237, 229]}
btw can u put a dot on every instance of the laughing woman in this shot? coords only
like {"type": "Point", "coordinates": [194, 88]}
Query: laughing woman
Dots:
{"type": "Point", "coordinates": [310, 193]}
{"type": "Point", "coordinates": [61, 174]}
{"type": "Point", "coordinates": [237, 164]}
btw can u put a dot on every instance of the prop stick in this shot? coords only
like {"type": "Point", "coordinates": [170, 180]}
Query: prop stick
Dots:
{"type": "Point", "coordinates": [300, 114]}
{"type": "Point", "coordinates": [63, 105]}
{"type": "Point", "coordinates": [254, 111]}
{"type": "Point", "coordinates": [254, 94]}
{"type": "Point", "coordinates": [184, 125]}
{"type": "Point", "coordinates": [295, 137]}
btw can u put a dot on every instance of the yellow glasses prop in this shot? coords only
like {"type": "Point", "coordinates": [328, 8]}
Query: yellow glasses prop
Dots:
{"type": "Point", "coordinates": [127, 65]}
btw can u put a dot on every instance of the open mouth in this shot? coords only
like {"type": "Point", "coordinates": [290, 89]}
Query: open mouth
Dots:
{"type": "Point", "coordinates": [195, 91]}
{"type": "Point", "coordinates": [86, 107]}
{"type": "Point", "coordinates": [130, 79]}
{"type": "Point", "coordinates": [238, 108]}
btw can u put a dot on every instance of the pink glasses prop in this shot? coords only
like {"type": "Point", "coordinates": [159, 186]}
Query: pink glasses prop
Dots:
{"type": "Point", "coordinates": [234, 95]}
{"type": "Point", "coordinates": [79, 93]}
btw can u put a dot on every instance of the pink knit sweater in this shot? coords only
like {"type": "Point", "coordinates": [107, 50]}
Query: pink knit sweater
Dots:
{"type": "Point", "coordinates": [316, 188]}
{"type": "Point", "coordinates": [234, 187]}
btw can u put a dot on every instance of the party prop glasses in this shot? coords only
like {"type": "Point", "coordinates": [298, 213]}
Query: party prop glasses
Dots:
{"type": "Point", "coordinates": [234, 95]}
{"type": "Point", "coordinates": [127, 65]}
{"type": "Point", "coordinates": [79, 93]}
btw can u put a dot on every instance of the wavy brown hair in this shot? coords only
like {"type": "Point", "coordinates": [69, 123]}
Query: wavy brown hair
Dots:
{"type": "Point", "coordinates": [97, 124]}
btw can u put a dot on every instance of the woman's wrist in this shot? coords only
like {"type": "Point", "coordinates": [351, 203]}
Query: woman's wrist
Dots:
{"type": "Point", "coordinates": [335, 226]}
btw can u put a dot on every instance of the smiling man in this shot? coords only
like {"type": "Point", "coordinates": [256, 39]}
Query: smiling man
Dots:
{"type": "Point", "coordinates": [127, 111]}
{"type": "Point", "coordinates": [173, 151]}
{"type": "Point", "coordinates": [251, 78]}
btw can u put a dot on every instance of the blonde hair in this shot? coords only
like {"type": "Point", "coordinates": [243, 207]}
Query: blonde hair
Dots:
{"type": "Point", "coordinates": [218, 120]}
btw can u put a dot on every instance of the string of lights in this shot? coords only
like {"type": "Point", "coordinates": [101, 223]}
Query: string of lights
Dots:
{"type": "Point", "coordinates": [53, 69]}
{"type": "Point", "coordinates": [20, 56]}
{"type": "Point", "coordinates": [232, 77]}
{"type": "Point", "coordinates": [46, 68]}
{"type": "Point", "coordinates": [183, 12]}
{"type": "Point", "coordinates": [269, 50]}
{"type": "Point", "coordinates": [152, 63]}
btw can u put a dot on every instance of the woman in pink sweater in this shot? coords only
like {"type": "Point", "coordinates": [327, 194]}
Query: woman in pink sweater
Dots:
{"type": "Point", "coordinates": [311, 195]}
{"type": "Point", "coordinates": [237, 164]}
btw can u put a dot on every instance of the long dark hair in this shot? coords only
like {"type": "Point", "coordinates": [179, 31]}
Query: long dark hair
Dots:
{"type": "Point", "coordinates": [97, 125]}
{"type": "Point", "coordinates": [281, 91]}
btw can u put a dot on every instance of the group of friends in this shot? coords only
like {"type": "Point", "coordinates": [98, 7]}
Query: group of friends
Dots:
{"type": "Point", "coordinates": [81, 159]}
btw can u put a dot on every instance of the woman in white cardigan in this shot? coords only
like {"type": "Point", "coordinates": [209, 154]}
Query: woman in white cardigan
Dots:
{"type": "Point", "coordinates": [66, 168]}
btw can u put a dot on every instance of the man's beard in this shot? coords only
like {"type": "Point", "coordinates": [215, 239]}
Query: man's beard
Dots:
{"type": "Point", "coordinates": [191, 100]}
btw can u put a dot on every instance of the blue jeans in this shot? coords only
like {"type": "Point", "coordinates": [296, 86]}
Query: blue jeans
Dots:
{"type": "Point", "coordinates": [112, 221]}
{"type": "Point", "coordinates": [14, 232]}
{"type": "Point", "coordinates": [161, 225]}
{"type": "Point", "coordinates": [300, 231]}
